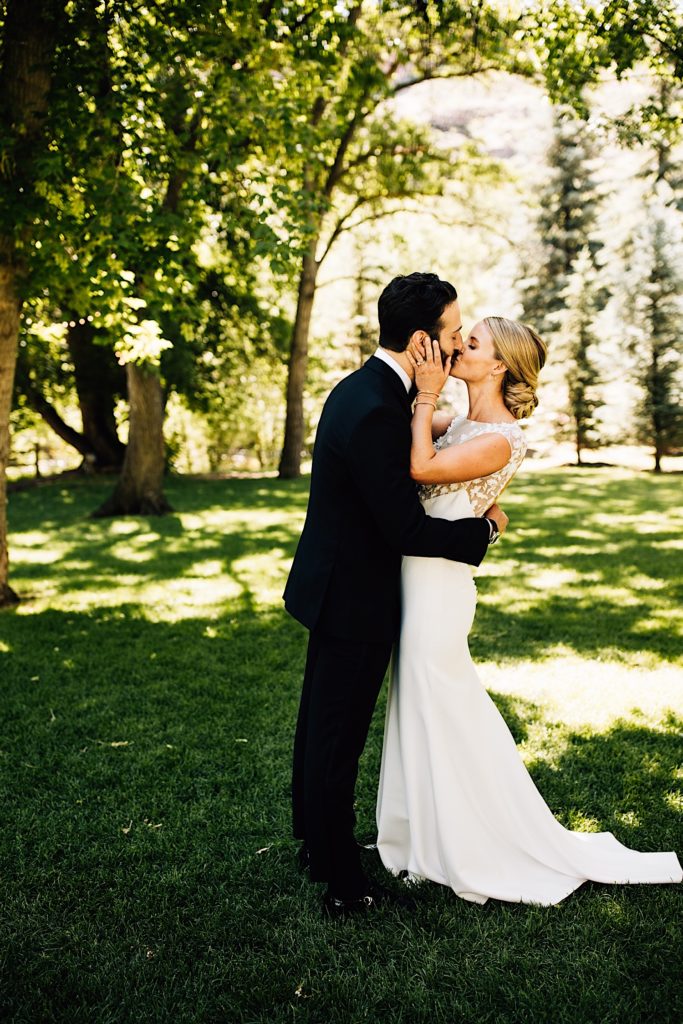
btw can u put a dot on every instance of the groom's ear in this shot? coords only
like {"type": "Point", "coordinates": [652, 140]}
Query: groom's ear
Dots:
{"type": "Point", "coordinates": [419, 338]}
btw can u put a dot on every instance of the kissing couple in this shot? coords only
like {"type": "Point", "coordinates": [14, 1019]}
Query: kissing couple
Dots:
{"type": "Point", "coordinates": [402, 505]}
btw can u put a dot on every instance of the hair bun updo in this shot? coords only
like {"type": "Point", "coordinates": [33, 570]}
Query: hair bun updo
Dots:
{"type": "Point", "coordinates": [524, 353]}
{"type": "Point", "coordinates": [519, 397]}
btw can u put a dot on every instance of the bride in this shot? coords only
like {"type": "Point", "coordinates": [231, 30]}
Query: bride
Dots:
{"type": "Point", "coordinates": [456, 804]}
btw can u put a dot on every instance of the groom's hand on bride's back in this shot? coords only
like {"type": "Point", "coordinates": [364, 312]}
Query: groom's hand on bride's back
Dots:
{"type": "Point", "coordinates": [500, 519]}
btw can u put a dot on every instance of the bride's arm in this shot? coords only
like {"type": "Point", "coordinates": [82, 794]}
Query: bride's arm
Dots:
{"type": "Point", "coordinates": [467, 461]}
{"type": "Point", "coordinates": [441, 421]}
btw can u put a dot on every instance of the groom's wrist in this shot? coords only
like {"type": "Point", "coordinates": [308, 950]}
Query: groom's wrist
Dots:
{"type": "Point", "coordinates": [494, 532]}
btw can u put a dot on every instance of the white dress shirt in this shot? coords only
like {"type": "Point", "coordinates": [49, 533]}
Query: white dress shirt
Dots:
{"type": "Point", "coordinates": [382, 354]}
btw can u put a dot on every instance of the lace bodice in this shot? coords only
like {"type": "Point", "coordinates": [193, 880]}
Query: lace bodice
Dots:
{"type": "Point", "coordinates": [483, 491]}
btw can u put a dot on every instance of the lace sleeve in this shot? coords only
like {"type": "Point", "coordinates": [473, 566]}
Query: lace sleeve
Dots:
{"type": "Point", "coordinates": [485, 490]}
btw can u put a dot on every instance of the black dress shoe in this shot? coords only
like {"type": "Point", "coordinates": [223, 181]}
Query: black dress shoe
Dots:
{"type": "Point", "coordinates": [375, 896]}
{"type": "Point", "coordinates": [336, 907]}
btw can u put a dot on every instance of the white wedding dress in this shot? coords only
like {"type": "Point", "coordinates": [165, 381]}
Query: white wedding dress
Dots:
{"type": "Point", "coordinates": [456, 804]}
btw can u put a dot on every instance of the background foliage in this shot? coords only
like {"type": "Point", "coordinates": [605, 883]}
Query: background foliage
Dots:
{"type": "Point", "coordinates": [202, 173]}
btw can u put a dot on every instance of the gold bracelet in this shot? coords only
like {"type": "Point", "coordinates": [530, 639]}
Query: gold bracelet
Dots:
{"type": "Point", "coordinates": [434, 393]}
{"type": "Point", "coordinates": [431, 404]}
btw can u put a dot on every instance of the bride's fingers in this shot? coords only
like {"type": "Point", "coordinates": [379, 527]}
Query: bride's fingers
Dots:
{"type": "Point", "coordinates": [429, 355]}
{"type": "Point", "coordinates": [436, 352]}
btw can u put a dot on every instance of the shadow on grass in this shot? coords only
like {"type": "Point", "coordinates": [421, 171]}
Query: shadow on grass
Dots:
{"type": "Point", "coordinates": [147, 860]}
{"type": "Point", "coordinates": [518, 714]}
{"type": "Point", "coordinates": [589, 603]}
{"type": "Point", "coordinates": [61, 503]}
{"type": "Point", "coordinates": [585, 625]}
{"type": "Point", "coordinates": [96, 554]}
{"type": "Point", "coordinates": [228, 690]}
{"type": "Point", "coordinates": [626, 779]}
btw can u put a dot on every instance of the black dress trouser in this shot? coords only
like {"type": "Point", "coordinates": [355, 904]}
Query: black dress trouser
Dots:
{"type": "Point", "coordinates": [341, 683]}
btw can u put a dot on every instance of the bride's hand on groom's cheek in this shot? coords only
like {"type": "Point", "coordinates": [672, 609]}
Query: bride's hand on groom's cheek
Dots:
{"type": "Point", "coordinates": [416, 350]}
{"type": "Point", "coordinates": [430, 372]}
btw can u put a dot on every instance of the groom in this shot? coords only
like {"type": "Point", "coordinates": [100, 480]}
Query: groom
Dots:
{"type": "Point", "coordinates": [344, 586]}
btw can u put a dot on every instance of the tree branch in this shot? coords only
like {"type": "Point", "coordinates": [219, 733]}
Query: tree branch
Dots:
{"type": "Point", "coordinates": [338, 170]}
{"type": "Point", "coordinates": [40, 404]}
{"type": "Point", "coordinates": [350, 277]}
{"type": "Point", "coordinates": [343, 225]}
{"type": "Point", "coordinates": [670, 48]}
{"type": "Point", "coordinates": [430, 75]}
{"type": "Point", "coordinates": [339, 227]}
{"type": "Point", "coordinates": [394, 150]}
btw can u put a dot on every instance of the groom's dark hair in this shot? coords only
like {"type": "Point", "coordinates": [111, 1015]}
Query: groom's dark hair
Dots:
{"type": "Point", "coordinates": [409, 303]}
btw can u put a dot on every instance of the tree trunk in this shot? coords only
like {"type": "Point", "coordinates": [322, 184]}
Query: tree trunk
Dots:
{"type": "Point", "coordinates": [28, 40]}
{"type": "Point", "coordinates": [40, 404]}
{"type": "Point", "coordinates": [99, 378]}
{"type": "Point", "coordinates": [140, 487]}
{"type": "Point", "coordinates": [9, 333]}
{"type": "Point", "coordinates": [290, 460]}
{"type": "Point", "coordinates": [96, 398]}
{"type": "Point", "coordinates": [655, 394]}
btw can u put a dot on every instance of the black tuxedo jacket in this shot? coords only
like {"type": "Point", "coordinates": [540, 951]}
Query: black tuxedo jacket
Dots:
{"type": "Point", "coordinates": [364, 513]}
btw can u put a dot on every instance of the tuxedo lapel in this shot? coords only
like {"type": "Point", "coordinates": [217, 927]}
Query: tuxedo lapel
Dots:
{"type": "Point", "coordinates": [377, 366]}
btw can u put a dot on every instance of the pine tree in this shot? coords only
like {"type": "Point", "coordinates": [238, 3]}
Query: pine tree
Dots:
{"type": "Point", "coordinates": [564, 296]}
{"type": "Point", "coordinates": [669, 166]}
{"type": "Point", "coordinates": [584, 297]}
{"type": "Point", "coordinates": [566, 222]}
{"type": "Point", "coordinates": [657, 126]}
{"type": "Point", "coordinates": [654, 310]}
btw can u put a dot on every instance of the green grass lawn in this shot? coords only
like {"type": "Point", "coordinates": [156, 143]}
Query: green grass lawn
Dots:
{"type": "Point", "coordinates": [150, 686]}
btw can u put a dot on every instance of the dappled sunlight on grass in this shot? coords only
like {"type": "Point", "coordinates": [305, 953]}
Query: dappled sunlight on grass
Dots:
{"type": "Point", "coordinates": [630, 818]}
{"type": "Point", "coordinates": [174, 565]}
{"type": "Point", "coordinates": [581, 823]}
{"type": "Point", "coordinates": [151, 680]}
{"type": "Point", "coordinates": [579, 568]}
{"type": "Point", "coordinates": [210, 567]}
{"type": "Point", "coordinates": [674, 801]}
{"type": "Point", "coordinates": [550, 579]}
{"type": "Point", "coordinates": [585, 691]}
{"type": "Point", "coordinates": [669, 545]}
{"type": "Point", "coordinates": [35, 555]}
{"type": "Point", "coordinates": [615, 592]}
{"type": "Point", "coordinates": [131, 550]}
{"type": "Point", "coordinates": [263, 575]}
{"type": "Point", "coordinates": [123, 527]}
{"type": "Point", "coordinates": [577, 614]}
{"type": "Point", "coordinates": [168, 601]}
{"type": "Point", "coordinates": [640, 582]}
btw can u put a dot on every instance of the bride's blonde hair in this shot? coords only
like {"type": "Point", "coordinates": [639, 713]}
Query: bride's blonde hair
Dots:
{"type": "Point", "coordinates": [524, 353]}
